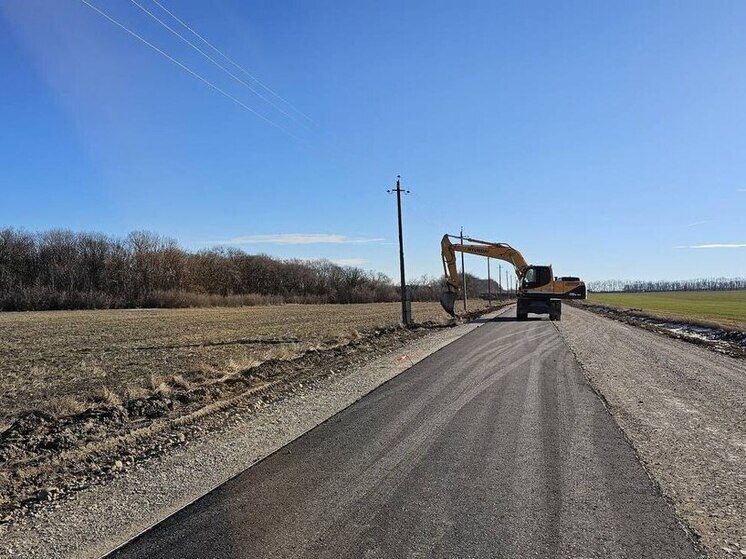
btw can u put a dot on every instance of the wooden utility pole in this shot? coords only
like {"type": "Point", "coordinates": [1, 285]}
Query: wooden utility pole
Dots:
{"type": "Point", "coordinates": [499, 280]}
{"type": "Point", "coordinates": [463, 270]}
{"type": "Point", "coordinates": [406, 309]}
{"type": "Point", "coordinates": [489, 284]}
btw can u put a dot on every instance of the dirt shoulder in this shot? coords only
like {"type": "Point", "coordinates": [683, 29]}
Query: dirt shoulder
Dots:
{"type": "Point", "coordinates": [684, 410]}
{"type": "Point", "coordinates": [142, 477]}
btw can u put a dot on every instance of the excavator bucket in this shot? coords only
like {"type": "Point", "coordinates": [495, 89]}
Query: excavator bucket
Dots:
{"type": "Point", "coordinates": [448, 300]}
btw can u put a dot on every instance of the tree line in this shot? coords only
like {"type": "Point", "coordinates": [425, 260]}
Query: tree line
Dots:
{"type": "Point", "coordinates": [68, 270]}
{"type": "Point", "coordinates": [642, 286]}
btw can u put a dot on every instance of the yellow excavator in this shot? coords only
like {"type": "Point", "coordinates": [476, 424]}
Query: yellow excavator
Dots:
{"type": "Point", "coordinates": [539, 291]}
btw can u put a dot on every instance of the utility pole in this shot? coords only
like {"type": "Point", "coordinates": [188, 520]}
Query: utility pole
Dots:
{"type": "Point", "coordinates": [499, 280]}
{"type": "Point", "coordinates": [406, 309]}
{"type": "Point", "coordinates": [463, 270]}
{"type": "Point", "coordinates": [489, 284]}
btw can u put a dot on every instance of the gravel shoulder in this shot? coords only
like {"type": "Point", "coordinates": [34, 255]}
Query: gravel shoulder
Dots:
{"type": "Point", "coordinates": [683, 408]}
{"type": "Point", "coordinates": [95, 520]}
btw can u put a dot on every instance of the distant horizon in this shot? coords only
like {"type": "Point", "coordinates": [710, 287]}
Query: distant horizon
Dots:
{"type": "Point", "coordinates": [394, 279]}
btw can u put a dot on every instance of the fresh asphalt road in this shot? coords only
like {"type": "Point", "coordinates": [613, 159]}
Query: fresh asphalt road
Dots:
{"type": "Point", "coordinates": [494, 446]}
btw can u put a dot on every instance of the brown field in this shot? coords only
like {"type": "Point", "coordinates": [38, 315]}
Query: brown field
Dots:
{"type": "Point", "coordinates": [69, 357]}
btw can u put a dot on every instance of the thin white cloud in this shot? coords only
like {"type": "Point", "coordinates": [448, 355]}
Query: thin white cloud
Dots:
{"type": "Point", "coordinates": [298, 239]}
{"type": "Point", "coordinates": [350, 261]}
{"type": "Point", "coordinates": [742, 190]}
{"type": "Point", "coordinates": [716, 245]}
{"type": "Point", "coordinates": [694, 224]}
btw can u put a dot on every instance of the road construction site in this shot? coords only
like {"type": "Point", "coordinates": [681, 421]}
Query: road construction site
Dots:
{"type": "Point", "coordinates": [584, 437]}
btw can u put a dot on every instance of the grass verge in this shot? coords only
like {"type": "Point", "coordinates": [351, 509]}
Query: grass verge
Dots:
{"type": "Point", "coordinates": [724, 309]}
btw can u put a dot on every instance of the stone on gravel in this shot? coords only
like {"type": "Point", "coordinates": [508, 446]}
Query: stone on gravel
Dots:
{"type": "Point", "coordinates": [47, 494]}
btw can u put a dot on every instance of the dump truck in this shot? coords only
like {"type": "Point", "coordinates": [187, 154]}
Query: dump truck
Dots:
{"type": "Point", "coordinates": [539, 291]}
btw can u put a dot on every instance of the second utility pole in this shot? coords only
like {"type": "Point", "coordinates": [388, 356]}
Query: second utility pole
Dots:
{"type": "Point", "coordinates": [499, 280]}
{"type": "Point", "coordinates": [489, 284]}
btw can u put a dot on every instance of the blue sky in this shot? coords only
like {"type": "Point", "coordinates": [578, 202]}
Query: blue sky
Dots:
{"type": "Point", "coordinates": [603, 138]}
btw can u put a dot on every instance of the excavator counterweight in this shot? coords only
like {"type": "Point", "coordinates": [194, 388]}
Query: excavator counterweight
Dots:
{"type": "Point", "coordinates": [539, 291]}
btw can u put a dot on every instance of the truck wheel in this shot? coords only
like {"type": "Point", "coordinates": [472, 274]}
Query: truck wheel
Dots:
{"type": "Point", "coordinates": [555, 309]}
{"type": "Point", "coordinates": [522, 315]}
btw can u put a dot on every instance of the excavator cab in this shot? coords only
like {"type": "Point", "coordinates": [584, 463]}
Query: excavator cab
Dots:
{"type": "Point", "coordinates": [537, 276]}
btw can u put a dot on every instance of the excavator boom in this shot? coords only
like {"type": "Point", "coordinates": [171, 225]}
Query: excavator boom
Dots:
{"type": "Point", "coordinates": [448, 250]}
{"type": "Point", "coordinates": [500, 251]}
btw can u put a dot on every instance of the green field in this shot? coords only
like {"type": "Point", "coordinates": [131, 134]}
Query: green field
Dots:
{"type": "Point", "coordinates": [723, 308]}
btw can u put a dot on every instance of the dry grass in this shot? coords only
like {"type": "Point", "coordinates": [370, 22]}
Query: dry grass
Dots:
{"type": "Point", "coordinates": [135, 393]}
{"type": "Point", "coordinates": [180, 382]}
{"type": "Point", "coordinates": [47, 356]}
{"type": "Point", "coordinates": [107, 397]}
{"type": "Point", "coordinates": [62, 406]}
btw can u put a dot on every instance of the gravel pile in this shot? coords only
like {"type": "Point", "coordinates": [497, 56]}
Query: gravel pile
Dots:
{"type": "Point", "coordinates": [684, 410]}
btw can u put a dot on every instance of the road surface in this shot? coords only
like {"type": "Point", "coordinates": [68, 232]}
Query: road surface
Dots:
{"type": "Point", "coordinates": [494, 446]}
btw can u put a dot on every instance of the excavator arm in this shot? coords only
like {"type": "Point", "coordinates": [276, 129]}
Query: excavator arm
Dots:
{"type": "Point", "coordinates": [500, 251]}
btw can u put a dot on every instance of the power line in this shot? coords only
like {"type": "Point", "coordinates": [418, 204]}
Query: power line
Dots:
{"type": "Point", "coordinates": [189, 70]}
{"type": "Point", "coordinates": [236, 64]}
{"type": "Point", "coordinates": [210, 58]}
